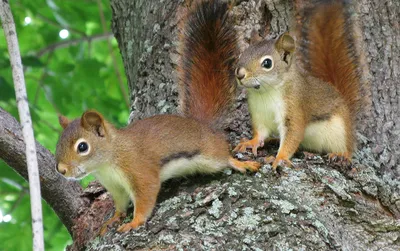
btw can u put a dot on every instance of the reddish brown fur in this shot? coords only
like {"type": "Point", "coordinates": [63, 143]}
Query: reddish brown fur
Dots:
{"type": "Point", "coordinates": [208, 50]}
{"type": "Point", "coordinates": [331, 51]}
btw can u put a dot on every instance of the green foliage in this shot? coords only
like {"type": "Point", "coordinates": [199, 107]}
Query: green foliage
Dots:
{"type": "Point", "coordinates": [61, 77]}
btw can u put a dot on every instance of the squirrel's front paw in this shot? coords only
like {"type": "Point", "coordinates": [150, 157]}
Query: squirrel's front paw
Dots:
{"type": "Point", "coordinates": [135, 223]}
{"type": "Point", "coordinates": [282, 162]}
{"type": "Point", "coordinates": [253, 144]}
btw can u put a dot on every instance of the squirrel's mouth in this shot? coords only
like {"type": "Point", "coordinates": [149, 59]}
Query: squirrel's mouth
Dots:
{"type": "Point", "coordinates": [250, 83]}
{"type": "Point", "coordinates": [80, 173]}
{"type": "Point", "coordinates": [81, 176]}
{"type": "Point", "coordinates": [71, 172]}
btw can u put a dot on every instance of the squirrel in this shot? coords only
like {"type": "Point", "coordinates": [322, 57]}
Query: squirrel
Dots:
{"type": "Point", "coordinates": [306, 90]}
{"type": "Point", "coordinates": [132, 162]}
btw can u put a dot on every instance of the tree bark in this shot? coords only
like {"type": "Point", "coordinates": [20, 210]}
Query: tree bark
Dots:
{"type": "Point", "coordinates": [146, 34]}
{"type": "Point", "coordinates": [380, 24]}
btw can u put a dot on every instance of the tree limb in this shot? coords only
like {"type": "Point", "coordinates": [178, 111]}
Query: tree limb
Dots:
{"type": "Point", "coordinates": [53, 23]}
{"type": "Point", "coordinates": [61, 194]}
{"type": "Point", "coordinates": [68, 43]}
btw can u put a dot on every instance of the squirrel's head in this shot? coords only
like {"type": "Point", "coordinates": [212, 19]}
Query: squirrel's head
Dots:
{"type": "Point", "coordinates": [83, 145]}
{"type": "Point", "coordinates": [265, 62]}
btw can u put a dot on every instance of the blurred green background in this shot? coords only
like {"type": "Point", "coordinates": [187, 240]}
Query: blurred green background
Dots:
{"type": "Point", "coordinates": [71, 63]}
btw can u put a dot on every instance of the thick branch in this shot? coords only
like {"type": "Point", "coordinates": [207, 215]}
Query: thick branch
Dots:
{"type": "Point", "coordinates": [62, 195]}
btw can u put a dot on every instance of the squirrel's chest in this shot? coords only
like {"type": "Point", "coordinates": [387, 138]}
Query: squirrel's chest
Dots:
{"type": "Point", "coordinates": [113, 179]}
{"type": "Point", "coordinates": [266, 111]}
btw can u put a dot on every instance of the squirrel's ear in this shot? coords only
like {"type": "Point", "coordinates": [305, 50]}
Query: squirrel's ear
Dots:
{"type": "Point", "coordinates": [93, 121]}
{"type": "Point", "coordinates": [64, 121]}
{"type": "Point", "coordinates": [285, 43]}
{"type": "Point", "coordinates": [255, 37]}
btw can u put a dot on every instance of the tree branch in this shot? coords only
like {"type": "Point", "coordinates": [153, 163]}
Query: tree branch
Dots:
{"type": "Point", "coordinates": [56, 24]}
{"type": "Point", "coordinates": [61, 194]}
{"type": "Point", "coordinates": [52, 22]}
{"type": "Point", "coordinates": [68, 43]}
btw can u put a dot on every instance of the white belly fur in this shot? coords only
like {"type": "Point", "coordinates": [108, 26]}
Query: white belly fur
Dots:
{"type": "Point", "coordinates": [184, 167]}
{"type": "Point", "coordinates": [267, 112]}
{"type": "Point", "coordinates": [326, 136]}
{"type": "Point", "coordinates": [116, 182]}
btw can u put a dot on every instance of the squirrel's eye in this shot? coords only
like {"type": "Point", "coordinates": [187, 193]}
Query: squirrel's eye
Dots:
{"type": "Point", "coordinates": [267, 63]}
{"type": "Point", "coordinates": [83, 147]}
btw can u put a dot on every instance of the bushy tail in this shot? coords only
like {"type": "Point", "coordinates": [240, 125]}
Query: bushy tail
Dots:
{"type": "Point", "coordinates": [329, 48]}
{"type": "Point", "coordinates": [208, 51]}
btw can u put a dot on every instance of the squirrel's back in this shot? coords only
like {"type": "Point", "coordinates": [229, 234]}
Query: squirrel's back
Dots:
{"type": "Point", "coordinates": [328, 48]}
{"type": "Point", "coordinates": [208, 51]}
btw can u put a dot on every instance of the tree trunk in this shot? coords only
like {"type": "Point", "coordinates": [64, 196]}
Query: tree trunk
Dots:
{"type": "Point", "coordinates": [313, 206]}
{"type": "Point", "coordinates": [380, 24]}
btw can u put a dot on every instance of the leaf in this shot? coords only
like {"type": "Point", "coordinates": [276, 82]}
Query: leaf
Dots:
{"type": "Point", "coordinates": [7, 91]}
{"type": "Point", "coordinates": [4, 63]}
{"type": "Point", "coordinates": [65, 68]}
{"type": "Point", "coordinates": [31, 61]}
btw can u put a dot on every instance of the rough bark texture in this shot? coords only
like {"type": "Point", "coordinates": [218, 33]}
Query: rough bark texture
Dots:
{"type": "Point", "coordinates": [380, 24]}
{"type": "Point", "coordinates": [313, 206]}
{"type": "Point", "coordinates": [146, 33]}
{"type": "Point", "coordinates": [62, 195]}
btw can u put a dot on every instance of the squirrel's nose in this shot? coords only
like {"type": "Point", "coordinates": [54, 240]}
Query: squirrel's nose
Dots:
{"type": "Point", "coordinates": [61, 168]}
{"type": "Point", "coordinates": [240, 73]}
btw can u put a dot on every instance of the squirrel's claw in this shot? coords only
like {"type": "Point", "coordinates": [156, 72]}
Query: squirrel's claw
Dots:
{"type": "Point", "coordinates": [242, 166]}
{"type": "Point", "coordinates": [244, 144]}
{"type": "Point", "coordinates": [269, 159]}
{"type": "Point", "coordinates": [340, 159]}
{"type": "Point", "coordinates": [117, 217]}
{"type": "Point", "coordinates": [135, 223]}
{"type": "Point", "coordinates": [125, 227]}
{"type": "Point", "coordinates": [281, 162]}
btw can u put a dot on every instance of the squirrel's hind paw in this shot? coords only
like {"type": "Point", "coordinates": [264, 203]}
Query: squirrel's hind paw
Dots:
{"type": "Point", "coordinates": [340, 159]}
{"type": "Point", "coordinates": [242, 166]}
{"type": "Point", "coordinates": [135, 223]}
{"type": "Point", "coordinates": [117, 217]}
{"type": "Point", "coordinates": [282, 162]}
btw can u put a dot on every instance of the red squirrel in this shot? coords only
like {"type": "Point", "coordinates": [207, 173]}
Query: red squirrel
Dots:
{"type": "Point", "coordinates": [307, 91]}
{"type": "Point", "coordinates": [132, 162]}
